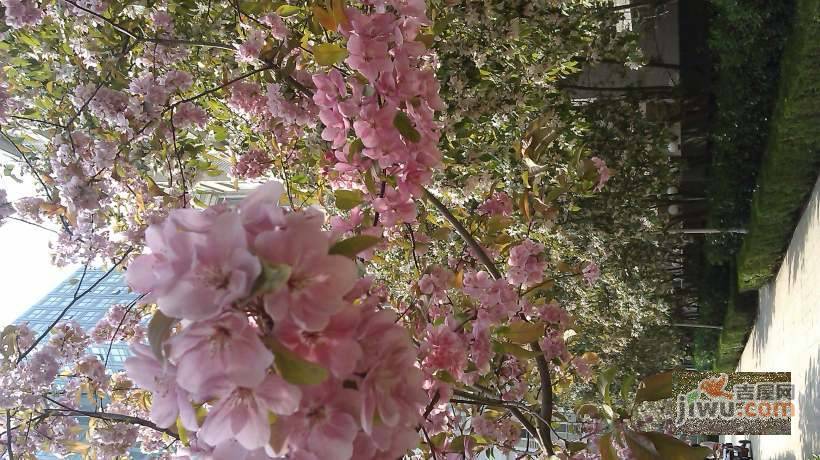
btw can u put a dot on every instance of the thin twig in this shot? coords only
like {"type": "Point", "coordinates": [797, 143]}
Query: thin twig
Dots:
{"type": "Point", "coordinates": [80, 283]}
{"type": "Point", "coordinates": [430, 443]}
{"type": "Point", "coordinates": [34, 120]}
{"type": "Point", "coordinates": [546, 397]}
{"type": "Point", "coordinates": [160, 41]}
{"type": "Point", "coordinates": [107, 416]}
{"type": "Point", "coordinates": [32, 223]}
{"type": "Point", "coordinates": [179, 161]}
{"type": "Point", "coordinates": [73, 301]}
{"type": "Point", "coordinates": [8, 435]}
{"type": "Point", "coordinates": [117, 330]}
{"type": "Point", "coordinates": [465, 234]}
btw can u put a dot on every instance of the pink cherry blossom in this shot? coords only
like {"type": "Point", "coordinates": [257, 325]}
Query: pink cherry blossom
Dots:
{"type": "Point", "coordinates": [324, 427]}
{"type": "Point", "coordinates": [22, 13]}
{"type": "Point", "coordinates": [195, 273]}
{"type": "Point", "coordinates": [334, 347]}
{"type": "Point", "coordinates": [552, 344]}
{"type": "Point", "coordinates": [395, 207]}
{"type": "Point", "coordinates": [278, 28]}
{"type": "Point", "coordinates": [317, 282]}
{"type": "Point", "coordinates": [554, 314]}
{"type": "Point", "coordinates": [27, 208]}
{"type": "Point", "coordinates": [591, 273]}
{"type": "Point", "coordinates": [252, 164]}
{"type": "Point", "coordinates": [242, 413]}
{"type": "Point", "coordinates": [162, 21]}
{"type": "Point", "coordinates": [169, 401]}
{"type": "Point", "coordinates": [247, 98]}
{"type": "Point", "coordinates": [260, 210]}
{"type": "Point", "coordinates": [231, 346]}
{"type": "Point", "coordinates": [526, 263]}
{"type": "Point", "coordinates": [604, 173]}
{"type": "Point", "coordinates": [444, 349]}
{"type": "Point", "coordinates": [177, 80]}
{"type": "Point", "coordinates": [500, 204]}
{"type": "Point", "coordinates": [189, 114]}
{"type": "Point", "coordinates": [249, 50]}
{"type": "Point", "coordinates": [368, 56]}
{"type": "Point", "coordinates": [392, 386]}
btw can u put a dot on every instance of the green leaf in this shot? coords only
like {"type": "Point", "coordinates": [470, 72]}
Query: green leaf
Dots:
{"type": "Point", "coordinates": [405, 126]}
{"type": "Point", "coordinates": [608, 412]}
{"type": "Point", "coordinates": [457, 444]}
{"type": "Point", "coordinates": [641, 446]}
{"type": "Point", "coordinates": [575, 446]}
{"type": "Point", "coordinates": [514, 350]}
{"type": "Point", "coordinates": [329, 53]}
{"type": "Point", "coordinates": [287, 10]}
{"type": "Point", "coordinates": [626, 386]}
{"type": "Point", "coordinates": [183, 433]}
{"type": "Point", "coordinates": [521, 332]}
{"type": "Point", "coordinates": [271, 279]}
{"type": "Point", "coordinates": [354, 245]}
{"type": "Point", "coordinates": [671, 448]}
{"type": "Point", "coordinates": [654, 388]}
{"type": "Point", "coordinates": [293, 368]}
{"type": "Point", "coordinates": [220, 133]}
{"type": "Point", "coordinates": [159, 329]}
{"type": "Point", "coordinates": [444, 376]}
{"type": "Point", "coordinates": [588, 409]}
{"type": "Point", "coordinates": [348, 199]}
{"type": "Point", "coordinates": [606, 448]}
{"type": "Point", "coordinates": [604, 380]}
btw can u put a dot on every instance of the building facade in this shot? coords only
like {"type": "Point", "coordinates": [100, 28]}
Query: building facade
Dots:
{"type": "Point", "coordinates": [87, 311]}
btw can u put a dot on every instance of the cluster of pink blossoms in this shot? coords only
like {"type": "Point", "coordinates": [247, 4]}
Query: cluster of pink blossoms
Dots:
{"type": "Point", "coordinates": [6, 209]}
{"type": "Point", "coordinates": [385, 121]}
{"type": "Point", "coordinates": [252, 164]}
{"type": "Point", "coordinates": [254, 285]}
{"type": "Point", "coordinates": [527, 263]}
{"type": "Point", "coordinates": [22, 13]}
{"type": "Point", "coordinates": [604, 173]}
{"type": "Point", "coordinates": [119, 323]}
{"type": "Point", "coordinates": [499, 204]}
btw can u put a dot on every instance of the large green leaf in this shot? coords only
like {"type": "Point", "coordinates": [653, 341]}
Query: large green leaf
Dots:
{"type": "Point", "coordinates": [405, 126]}
{"type": "Point", "coordinates": [271, 279]}
{"type": "Point", "coordinates": [522, 333]}
{"type": "Point", "coordinates": [655, 387]}
{"type": "Point", "coordinates": [354, 245]}
{"type": "Point", "coordinates": [514, 350]}
{"type": "Point", "coordinates": [329, 53]}
{"type": "Point", "coordinates": [159, 329]}
{"type": "Point", "coordinates": [348, 199]}
{"type": "Point", "coordinates": [641, 446]}
{"type": "Point", "coordinates": [606, 447]}
{"type": "Point", "coordinates": [670, 448]}
{"type": "Point", "coordinates": [293, 368]}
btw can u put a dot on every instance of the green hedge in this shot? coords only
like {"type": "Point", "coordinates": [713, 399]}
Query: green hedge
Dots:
{"type": "Point", "coordinates": [792, 159]}
{"type": "Point", "coordinates": [740, 317]}
{"type": "Point", "coordinates": [746, 39]}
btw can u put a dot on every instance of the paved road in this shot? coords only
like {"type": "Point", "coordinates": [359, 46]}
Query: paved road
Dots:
{"type": "Point", "coordinates": [786, 337]}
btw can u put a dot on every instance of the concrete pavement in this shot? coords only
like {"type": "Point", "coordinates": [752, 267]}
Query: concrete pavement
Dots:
{"type": "Point", "coordinates": [786, 337]}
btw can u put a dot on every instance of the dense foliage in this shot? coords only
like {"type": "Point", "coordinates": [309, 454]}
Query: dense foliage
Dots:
{"type": "Point", "coordinates": [453, 249]}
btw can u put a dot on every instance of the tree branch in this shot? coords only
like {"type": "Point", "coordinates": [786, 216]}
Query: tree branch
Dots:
{"type": "Point", "coordinates": [161, 41]}
{"type": "Point", "coordinates": [107, 416]}
{"type": "Point", "coordinates": [8, 435]}
{"type": "Point", "coordinates": [464, 233]}
{"type": "Point", "coordinates": [70, 304]}
{"type": "Point", "coordinates": [543, 432]}
{"type": "Point", "coordinates": [546, 397]}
